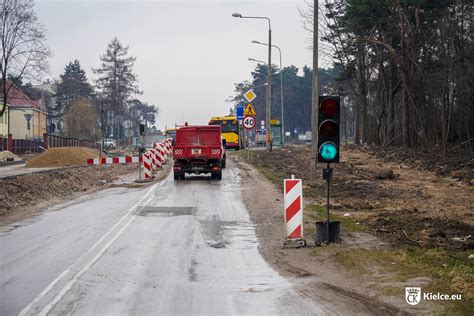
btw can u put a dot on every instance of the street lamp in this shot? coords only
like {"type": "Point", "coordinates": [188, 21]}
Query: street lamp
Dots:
{"type": "Point", "coordinates": [261, 85]}
{"type": "Point", "coordinates": [256, 60]}
{"type": "Point", "coordinates": [281, 92]}
{"type": "Point", "coordinates": [269, 78]}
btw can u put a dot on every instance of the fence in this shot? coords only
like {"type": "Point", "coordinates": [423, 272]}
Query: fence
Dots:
{"type": "Point", "coordinates": [57, 141]}
{"type": "Point", "coordinates": [22, 146]}
{"type": "Point", "coordinates": [3, 143]}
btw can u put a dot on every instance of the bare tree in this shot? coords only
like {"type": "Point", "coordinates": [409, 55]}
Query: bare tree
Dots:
{"type": "Point", "coordinates": [24, 52]}
{"type": "Point", "coordinates": [81, 118]}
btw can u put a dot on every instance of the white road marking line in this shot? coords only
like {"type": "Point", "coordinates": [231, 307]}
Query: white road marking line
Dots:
{"type": "Point", "coordinates": [46, 290]}
{"type": "Point", "coordinates": [68, 286]}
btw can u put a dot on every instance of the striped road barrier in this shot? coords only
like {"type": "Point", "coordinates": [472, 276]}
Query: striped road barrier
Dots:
{"type": "Point", "coordinates": [293, 201]}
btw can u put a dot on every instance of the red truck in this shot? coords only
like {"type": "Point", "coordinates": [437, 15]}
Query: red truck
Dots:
{"type": "Point", "coordinates": [198, 149]}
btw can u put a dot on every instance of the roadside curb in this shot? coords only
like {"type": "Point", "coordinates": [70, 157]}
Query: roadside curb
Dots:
{"type": "Point", "coordinates": [10, 163]}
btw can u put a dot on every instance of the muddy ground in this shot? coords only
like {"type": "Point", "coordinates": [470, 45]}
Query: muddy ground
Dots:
{"type": "Point", "coordinates": [402, 226]}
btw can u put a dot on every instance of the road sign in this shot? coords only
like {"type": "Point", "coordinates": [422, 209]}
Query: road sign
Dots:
{"type": "Point", "coordinates": [240, 112]}
{"type": "Point", "coordinates": [249, 110]}
{"type": "Point", "coordinates": [250, 95]}
{"type": "Point", "coordinates": [28, 117]}
{"type": "Point", "coordinates": [249, 122]}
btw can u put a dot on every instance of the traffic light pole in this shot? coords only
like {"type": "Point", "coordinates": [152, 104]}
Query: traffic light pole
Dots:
{"type": "Point", "coordinates": [327, 175]}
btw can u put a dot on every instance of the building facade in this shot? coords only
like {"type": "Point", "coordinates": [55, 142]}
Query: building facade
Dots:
{"type": "Point", "coordinates": [27, 118]}
{"type": "Point", "coordinates": [4, 123]}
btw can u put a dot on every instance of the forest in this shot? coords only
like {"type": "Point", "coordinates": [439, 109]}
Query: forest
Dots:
{"type": "Point", "coordinates": [404, 71]}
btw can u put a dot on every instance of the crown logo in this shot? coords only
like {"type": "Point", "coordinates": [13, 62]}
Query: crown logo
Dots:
{"type": "Point", "coordinates": [413, 295]}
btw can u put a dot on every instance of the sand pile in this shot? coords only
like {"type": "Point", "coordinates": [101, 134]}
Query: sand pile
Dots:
{"type": "Point", "coordinates": [62, 157]}
{"type": "Point", "coordinates": [7, 154]}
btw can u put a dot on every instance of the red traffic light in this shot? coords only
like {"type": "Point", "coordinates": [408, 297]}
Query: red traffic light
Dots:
{"type": "Point", "coordinates": [328, 128]}
{"type": "Point", "coordinates": [328, 107]}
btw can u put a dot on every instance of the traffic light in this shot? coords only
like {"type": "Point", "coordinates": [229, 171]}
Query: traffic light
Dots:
{"type": "Point", "coordinates": [328, 128]}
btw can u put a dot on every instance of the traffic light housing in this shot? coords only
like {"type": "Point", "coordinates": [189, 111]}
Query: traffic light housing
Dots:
{"type": "Point", "coordinates": [328, 128]}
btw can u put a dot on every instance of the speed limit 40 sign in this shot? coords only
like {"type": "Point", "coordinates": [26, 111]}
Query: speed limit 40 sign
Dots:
{"type": "Point", "coordinates": [248, 122]}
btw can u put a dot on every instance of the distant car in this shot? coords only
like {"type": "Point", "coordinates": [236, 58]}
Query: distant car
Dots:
{"type": "Point", "coordinates": [110, 143]}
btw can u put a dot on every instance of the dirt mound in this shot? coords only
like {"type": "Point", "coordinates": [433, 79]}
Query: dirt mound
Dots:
{"type": "Point", "coordinates": [53, 186]}
{"type": "Point", "coordinates": [63, 157]}
{"type": "Point", "coordinates": [7, 154]}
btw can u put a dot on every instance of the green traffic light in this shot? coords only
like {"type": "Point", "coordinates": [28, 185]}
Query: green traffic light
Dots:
{"type": "Point", "coordinates": [328, 151]}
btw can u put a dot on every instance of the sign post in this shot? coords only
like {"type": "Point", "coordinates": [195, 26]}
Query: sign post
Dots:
{"type": "Point", "coordinates": [249, 114]}
{"type": "Point", "coordinates": [248, 122]}
{"type": "Point", "coordinates": [240, 112]}
{"type": "Point", "coordinates": [250, 95]}
{"type": "Point", "coordinates": [249, 110]}
{"type": "Point", "coordinates": [28, 126]}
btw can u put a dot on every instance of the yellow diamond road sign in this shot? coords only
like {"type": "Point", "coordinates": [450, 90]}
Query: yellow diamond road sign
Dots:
{"type": "Point", "coordinates": [250, 95]}
{"type": "Point", "coordinates": [249, 110]}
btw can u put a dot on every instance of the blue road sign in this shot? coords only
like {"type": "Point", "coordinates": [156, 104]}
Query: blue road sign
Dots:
{"type": "Point", "coordinates": [240, 112]}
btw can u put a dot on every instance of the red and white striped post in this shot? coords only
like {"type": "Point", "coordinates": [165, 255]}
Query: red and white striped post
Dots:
{"type": "Point", "coordinates": [156, 157]}
{"type": "Point", "coordinates": [147, 167]}
{"type": "Point", "coordinates": [293, 201]}
{"type": "Point", "coordinates": [153, 161]}
{"type": "Point", "coordinates": [161, 153]}
{"type": "Point", "coordinates": [166, 148]}
{"type": "Point", "coordinates": [170, 148]}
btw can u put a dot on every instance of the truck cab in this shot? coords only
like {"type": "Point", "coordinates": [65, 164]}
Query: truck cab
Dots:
{"type": "Point", "coordinates": [198, 149]}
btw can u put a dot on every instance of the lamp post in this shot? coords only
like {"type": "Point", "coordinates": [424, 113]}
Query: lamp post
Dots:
{"type": "Point", "coordinates": [256, 60]}
{"type": "Point", "coordinates": [281, 93]}
{"type": "Point", "coordinates": [269, 79]}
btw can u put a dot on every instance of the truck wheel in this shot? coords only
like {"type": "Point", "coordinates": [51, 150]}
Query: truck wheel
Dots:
{"type": "Point", "coordinates": [183, 176]}
{"type": "Point", "coordinates": [223, 163]}
{"type": "Point", "coordinates": [219, 176]}
{"type": "Point", "coordinates": [176, 176]}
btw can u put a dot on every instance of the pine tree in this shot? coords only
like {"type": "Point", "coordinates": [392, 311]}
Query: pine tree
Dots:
{"type": "Point", "coordinates": [117, 84]}
{"type": "Point", "coordinates": [73, 85]}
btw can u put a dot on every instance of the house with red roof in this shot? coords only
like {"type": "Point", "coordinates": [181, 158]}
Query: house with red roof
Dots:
{"type": "Point", "coordinates": [27, 117]}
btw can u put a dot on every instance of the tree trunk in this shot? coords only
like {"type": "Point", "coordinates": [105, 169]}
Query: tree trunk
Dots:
{"type": "Point", "coordinates": [405, 118]}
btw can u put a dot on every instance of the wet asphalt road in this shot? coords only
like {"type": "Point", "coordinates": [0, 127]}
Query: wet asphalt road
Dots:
{"type": "Point", "coordinates": [184, 247]}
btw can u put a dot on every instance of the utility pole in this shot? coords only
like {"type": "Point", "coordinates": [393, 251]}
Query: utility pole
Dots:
{"type": "Point", "coordinates": [268, 116]}
{"type": "Point", "coordinates": [315, 95]}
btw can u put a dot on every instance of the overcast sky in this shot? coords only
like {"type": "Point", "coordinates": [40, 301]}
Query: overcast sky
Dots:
{"type": "Point", "coordinates": [189, 53]}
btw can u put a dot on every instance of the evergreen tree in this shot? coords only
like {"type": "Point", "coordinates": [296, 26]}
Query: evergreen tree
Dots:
{"type": "Point", "coordinates": [73, 85]}
{"type": "Point", "coordinates": [116, 83]}
{"type": "Point", "coordinates": [142, 112]}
